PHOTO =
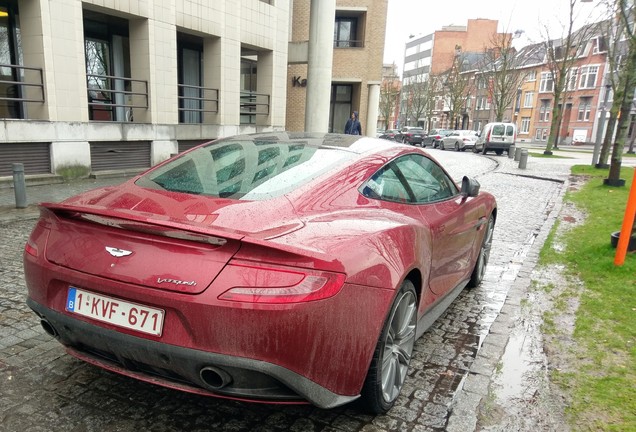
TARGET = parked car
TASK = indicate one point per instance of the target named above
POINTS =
(389, 134)
(410, 135)
(459, 140)
(497, 137)
(277, 267)
(434, 137)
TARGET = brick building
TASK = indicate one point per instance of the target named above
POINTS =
(358, 49)
(435, 54)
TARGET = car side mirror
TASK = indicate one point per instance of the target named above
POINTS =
(470, 187)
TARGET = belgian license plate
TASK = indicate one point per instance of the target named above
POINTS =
(114, 311)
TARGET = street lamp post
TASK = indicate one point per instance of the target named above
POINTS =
(600, 129)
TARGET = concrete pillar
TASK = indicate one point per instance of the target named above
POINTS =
(372, 110)
(321, 25)
(523, 159)
(60, 54)
(213, 75)
(265, 86)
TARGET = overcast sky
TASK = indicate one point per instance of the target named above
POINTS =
(422, 17)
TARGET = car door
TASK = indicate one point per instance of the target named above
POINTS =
(447, 217)
(449, 139)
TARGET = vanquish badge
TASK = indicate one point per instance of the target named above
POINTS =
(116, 252)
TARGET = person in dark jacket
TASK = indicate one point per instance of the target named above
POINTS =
(353, 126)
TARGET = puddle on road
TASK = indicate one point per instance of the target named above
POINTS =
(520, 364)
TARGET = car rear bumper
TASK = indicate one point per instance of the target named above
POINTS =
(497, 146)
(182, 368)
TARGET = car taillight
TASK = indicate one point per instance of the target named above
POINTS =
(256, 283)
(31, 248)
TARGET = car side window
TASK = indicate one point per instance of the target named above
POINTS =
(425, 179)
(385, 185)
(509, 131)
(410, 179)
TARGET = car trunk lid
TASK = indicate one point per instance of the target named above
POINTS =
(140, 253)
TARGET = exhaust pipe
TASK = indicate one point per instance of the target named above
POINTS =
(214, 377)
(48, 328)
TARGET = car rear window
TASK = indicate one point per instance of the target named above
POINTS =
(247, 170)
(498, 130)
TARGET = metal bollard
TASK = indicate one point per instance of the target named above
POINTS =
(517, 153)
(19, 185)
(511, 151)
(523, 159)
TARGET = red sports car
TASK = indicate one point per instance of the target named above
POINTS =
(280, 267)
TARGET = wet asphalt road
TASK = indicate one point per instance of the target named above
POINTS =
(43, 389)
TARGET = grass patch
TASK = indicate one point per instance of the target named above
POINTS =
(73, 172)
(603, 384)
(552, 156)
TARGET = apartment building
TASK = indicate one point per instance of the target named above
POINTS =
(358, 49)
(122, 85)
(436, 54)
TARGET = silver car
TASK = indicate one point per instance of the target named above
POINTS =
(459, 140)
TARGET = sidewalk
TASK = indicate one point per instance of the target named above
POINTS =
(48, 192)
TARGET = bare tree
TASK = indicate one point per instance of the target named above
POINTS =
(500, 66)
(422, 96)
(433, 89)
(389, 99)
(624, 93)
(612, 32)
(457, 87)
(561, 55)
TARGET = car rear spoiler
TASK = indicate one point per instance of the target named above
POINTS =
(192, 231)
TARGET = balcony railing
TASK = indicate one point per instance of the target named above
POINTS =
(114, 98)
(253, 104)
(196, 100)
(29, 88)
(348, 43)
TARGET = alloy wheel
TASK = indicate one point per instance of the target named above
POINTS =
(398, 345)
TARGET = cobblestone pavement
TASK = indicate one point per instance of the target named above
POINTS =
(43, 389)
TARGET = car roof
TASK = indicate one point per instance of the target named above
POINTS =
(353, 143)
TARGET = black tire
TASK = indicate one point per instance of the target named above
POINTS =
(477, 275)
(392, 356)
(456, 147)
(441, 145)
(499, 152)
(484, 150)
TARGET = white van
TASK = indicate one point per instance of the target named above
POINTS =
(497, 137)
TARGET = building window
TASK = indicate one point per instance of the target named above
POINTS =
(11, 73)
(248, 90)
(525, 125)
(190, 71)
(585, 107)
(547, 83)
(528, 100)
(588, 77)
(544, 110)
(108, 70)
(532, 76)
(571, 79)
(541, 135)
(345, 33)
